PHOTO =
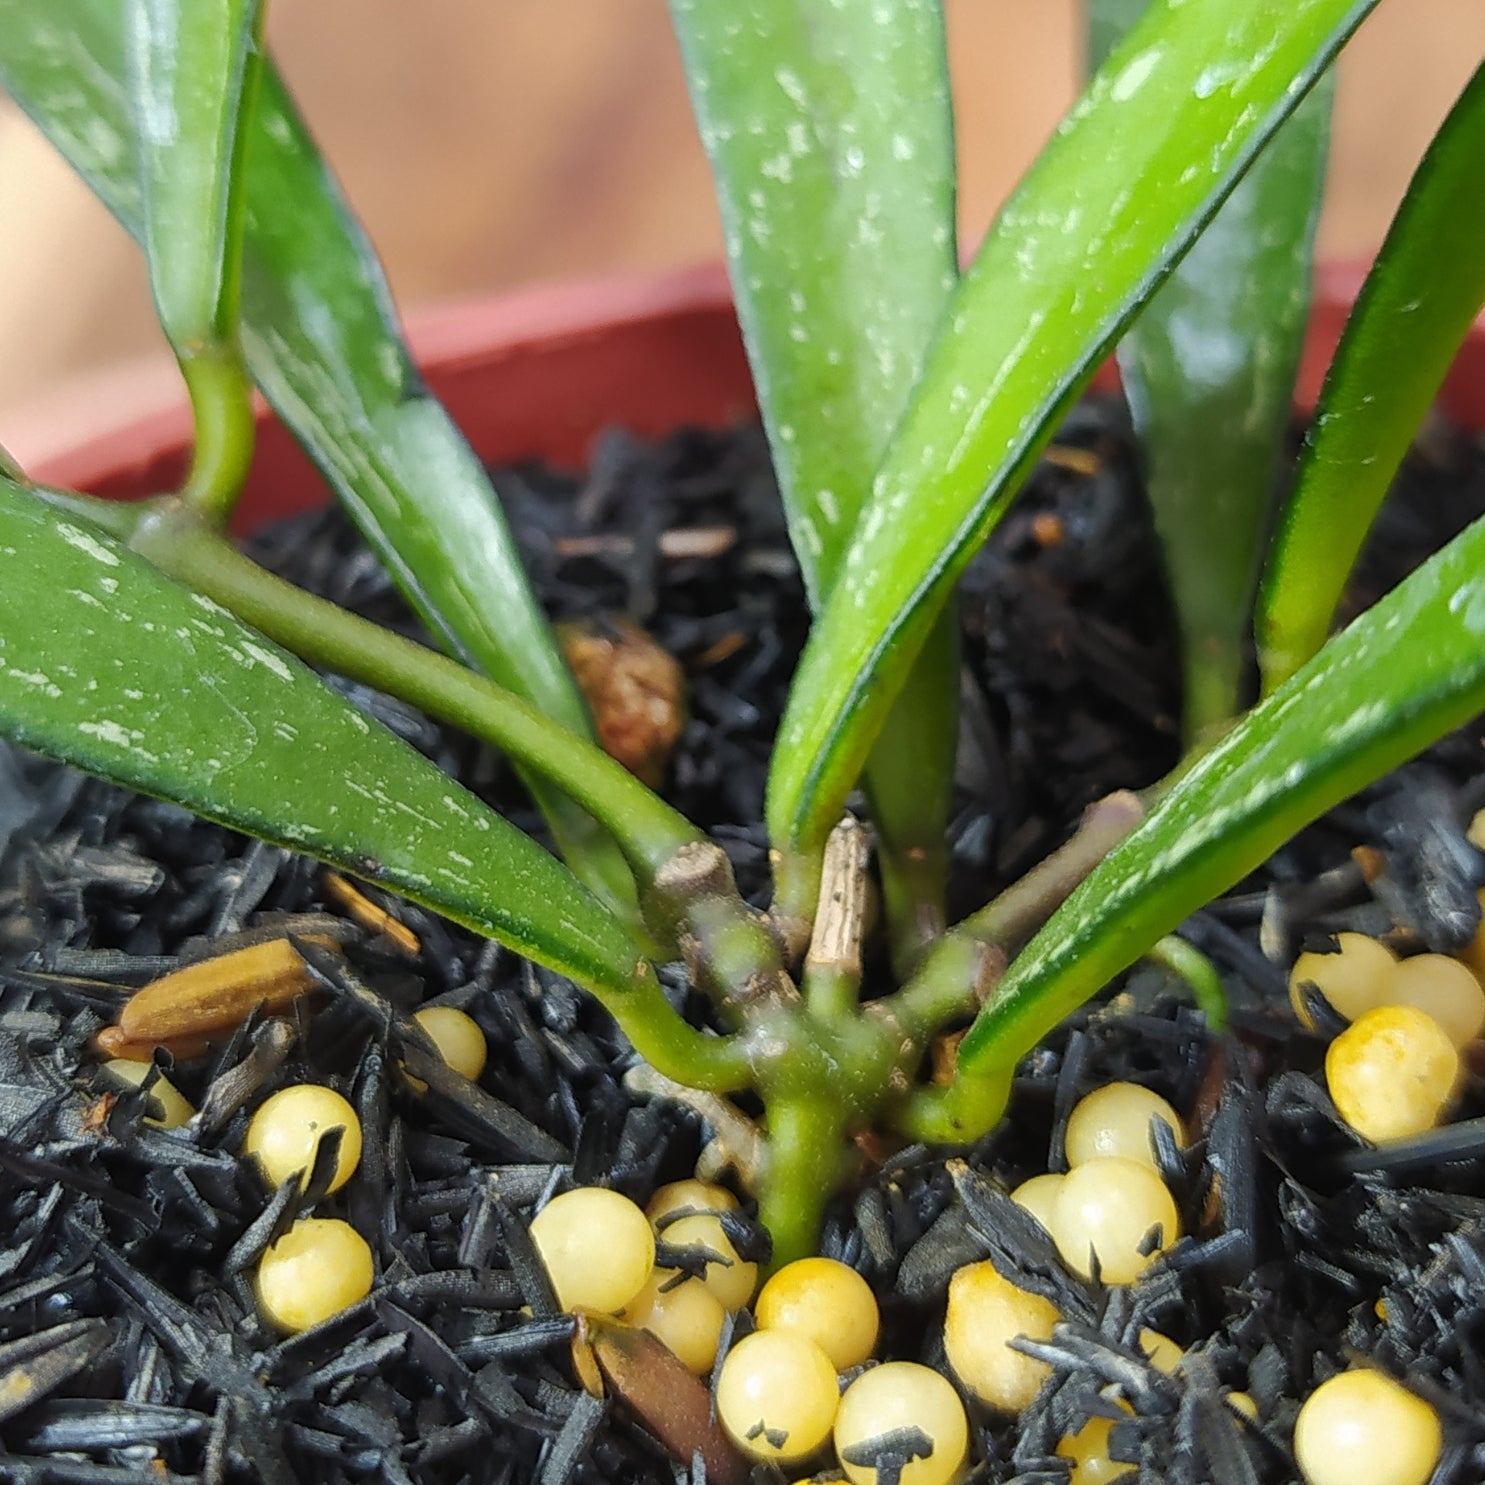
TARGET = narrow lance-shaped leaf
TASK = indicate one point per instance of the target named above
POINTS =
(1136, 169)
(98, 651)
(321, 340)
(830, 133)
(1209, 373)
(193, 75)
(1426, 287)
(1406, 672)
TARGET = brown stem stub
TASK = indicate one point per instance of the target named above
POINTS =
(844, 900)
(989, 965)
(700, 868)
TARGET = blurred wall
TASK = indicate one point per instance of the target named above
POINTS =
(491, 143)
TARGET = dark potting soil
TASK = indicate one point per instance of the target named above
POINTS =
(129, 1338)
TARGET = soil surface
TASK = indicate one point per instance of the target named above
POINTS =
(129, 1336)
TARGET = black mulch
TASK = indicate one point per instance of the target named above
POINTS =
(129, 1340)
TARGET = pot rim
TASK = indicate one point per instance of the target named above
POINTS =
(137, 415)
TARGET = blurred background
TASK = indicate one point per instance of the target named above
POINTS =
(493, 143)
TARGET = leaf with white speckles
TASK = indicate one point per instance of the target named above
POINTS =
(1422, 294)
(262, 744)
(830, 133)
(321, 340)
(1133, 172)
(1407, 671)
(1208, 370)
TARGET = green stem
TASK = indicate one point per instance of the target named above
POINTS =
(831, 992)
(805, 1164)
(960, 971)
(796, 895)
(909, 780)
(1200, 974)
(967, 1110)
(648, 830)
(222, 408)
(714, 1064)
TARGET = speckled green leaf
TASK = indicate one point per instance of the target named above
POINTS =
(1406, 672)
(1136, 169)
(1209, 373)
(192, 71)
(830, 134)
(108, 665)
(1426, 287)
(321, 340)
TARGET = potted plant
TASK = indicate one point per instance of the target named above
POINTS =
(905, 402)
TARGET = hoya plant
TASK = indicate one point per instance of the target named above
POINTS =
(905, 401)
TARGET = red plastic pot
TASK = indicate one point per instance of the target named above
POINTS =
(534, 374)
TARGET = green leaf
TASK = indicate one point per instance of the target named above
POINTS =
(830, 133)
(831, 138)
(193, 74)
(1406, 672)
(1208, 370)
(97, 651)
(1425, 289)
(321, 340)
(1135, 170)
(109, 665)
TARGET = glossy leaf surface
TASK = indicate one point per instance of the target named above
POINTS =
(1139, 165)
(1426, 287)
(321, 340)
(1208, 369)
(106, 664)
(191, 72)
(1406, 672)
(831, 139)
(830, 134)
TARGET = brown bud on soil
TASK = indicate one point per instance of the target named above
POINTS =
(635, 690)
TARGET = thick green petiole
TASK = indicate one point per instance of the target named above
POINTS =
(222, 410)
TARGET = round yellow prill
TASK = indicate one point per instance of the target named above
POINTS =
(826, 1300)
(1446, 990)
(777, 1395)
(1165, 1355)
(173, 1108)
(1362, 1428)
(318, 1268)
(1391, 1073)
(689, 1195)
(1088, 1449)
(1242, 1402)
(597, 1248)
(1107, 1206)
(728, 1277)
(1354, 979)
(1475, 831)
(687, 1318)
(1039, 1196)
(1115, 1120)
(902, 1395)
(984, 1314)
(287, 1129)
(457, 1036)
(1473, 953)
